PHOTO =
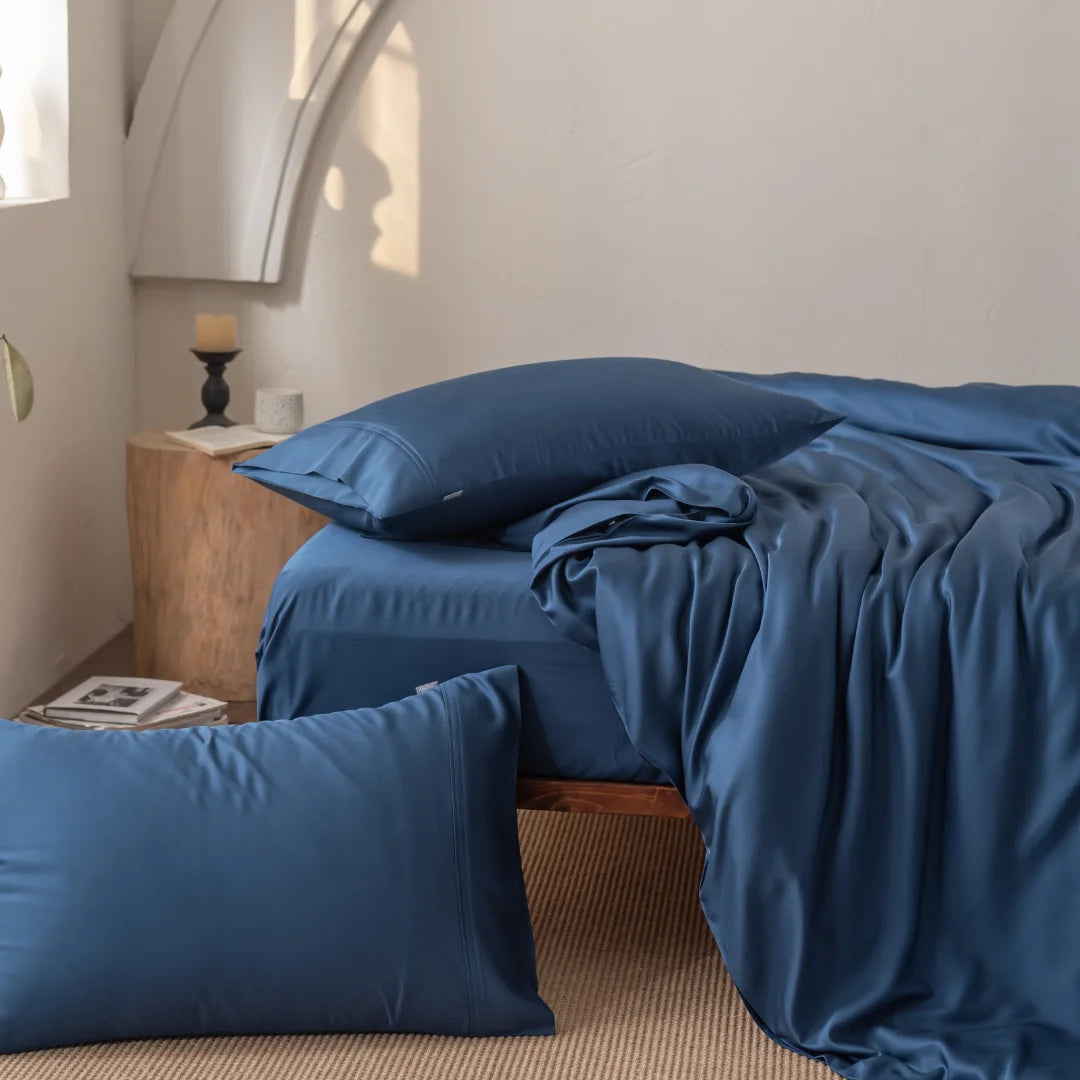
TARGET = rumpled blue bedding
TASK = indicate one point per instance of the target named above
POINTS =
(861, 666)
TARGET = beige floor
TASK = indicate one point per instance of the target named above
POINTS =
(626, 962)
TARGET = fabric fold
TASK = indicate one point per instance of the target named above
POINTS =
(859, 666)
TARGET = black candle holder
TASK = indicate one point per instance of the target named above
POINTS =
(215, 391)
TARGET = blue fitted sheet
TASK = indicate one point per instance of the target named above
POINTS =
(356, 622)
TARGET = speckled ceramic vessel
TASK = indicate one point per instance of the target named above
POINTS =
(279, 412)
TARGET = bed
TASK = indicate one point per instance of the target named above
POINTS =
(856, 664)
(355, 621)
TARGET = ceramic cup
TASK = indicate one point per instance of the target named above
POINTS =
(279, 412)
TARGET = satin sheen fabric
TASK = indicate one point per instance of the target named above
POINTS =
(477, 451)
(352, 872)
(355, 622)
(861, 666)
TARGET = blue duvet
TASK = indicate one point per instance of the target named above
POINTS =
(861, 666)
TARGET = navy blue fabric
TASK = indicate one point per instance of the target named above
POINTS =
(354, 622)
(473, 452)
(350, 872)
(861, 666)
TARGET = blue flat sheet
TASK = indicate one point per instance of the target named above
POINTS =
(861, 667)
(356, 622)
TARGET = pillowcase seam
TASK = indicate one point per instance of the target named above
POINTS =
(257, 473)
(400, 442)
(450, 712)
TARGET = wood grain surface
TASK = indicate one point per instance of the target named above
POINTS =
(206, 546)
(600, 797)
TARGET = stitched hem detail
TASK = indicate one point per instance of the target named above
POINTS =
(390, 435)
(457, 826)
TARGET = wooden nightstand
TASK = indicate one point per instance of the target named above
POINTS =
(206, 546)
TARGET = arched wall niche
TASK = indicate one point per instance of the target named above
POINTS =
(223, 128)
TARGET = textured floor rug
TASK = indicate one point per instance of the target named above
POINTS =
(626, 961)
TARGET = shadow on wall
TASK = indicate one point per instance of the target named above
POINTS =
(390, 128)
(388, 124)
(354, 252)
(356, 246)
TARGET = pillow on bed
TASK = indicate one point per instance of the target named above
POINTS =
(357, 871)
(481, 450)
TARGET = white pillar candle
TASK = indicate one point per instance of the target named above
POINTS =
(215, 333)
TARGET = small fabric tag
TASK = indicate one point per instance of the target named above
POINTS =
(427, 686)
(453, 495)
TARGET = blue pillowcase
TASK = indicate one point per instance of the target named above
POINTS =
(476, 452)
(357, 871)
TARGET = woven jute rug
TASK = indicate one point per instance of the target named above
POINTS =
(626, 962)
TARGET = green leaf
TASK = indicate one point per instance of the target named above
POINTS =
(20, 382)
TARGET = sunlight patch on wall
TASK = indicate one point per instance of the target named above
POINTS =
(390, 128)
(334, 189)
(310, 18)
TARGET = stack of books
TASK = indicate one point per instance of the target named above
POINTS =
(106, 703)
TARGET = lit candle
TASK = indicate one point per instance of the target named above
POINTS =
(215, 333)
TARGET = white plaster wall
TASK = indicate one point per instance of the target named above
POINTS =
(854, 186)
(65, 300)
(145, 20)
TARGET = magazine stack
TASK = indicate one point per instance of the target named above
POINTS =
(105, 703)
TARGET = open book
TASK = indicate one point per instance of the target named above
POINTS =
(219, 441)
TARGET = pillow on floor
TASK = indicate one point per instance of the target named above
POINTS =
(476, 452)
(356, 872)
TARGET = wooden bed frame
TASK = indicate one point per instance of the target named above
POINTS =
(533, 793)
(600, 797)
(578, 796)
